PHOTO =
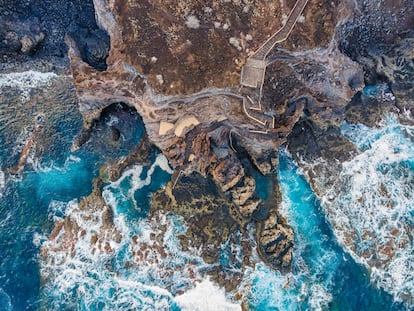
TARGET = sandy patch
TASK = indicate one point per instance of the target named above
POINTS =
(165, 127)
(183, 124)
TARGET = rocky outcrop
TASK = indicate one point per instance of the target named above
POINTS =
(276, 242)
(160, 56)
(382, 44)
(179, 66)
(36, 30)
(91, 221)
(20, 37)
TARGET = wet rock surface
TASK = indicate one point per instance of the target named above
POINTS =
(91, 213)
(210, 133)
(178, 64)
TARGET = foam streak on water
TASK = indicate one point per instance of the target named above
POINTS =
(323, 276)
(26, 79)
(371, 205)
(205, 297)
(120, 194)
(91, 279)
(2, 182)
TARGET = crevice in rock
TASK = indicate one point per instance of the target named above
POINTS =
(116, 125)
(93, 44)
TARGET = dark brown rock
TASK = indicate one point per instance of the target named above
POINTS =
(275, 239)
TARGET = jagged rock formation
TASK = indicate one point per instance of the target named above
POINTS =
(178, 64)
(155, 52)
(91, 213)
(35, 30)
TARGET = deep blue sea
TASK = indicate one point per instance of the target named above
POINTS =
(324, 277)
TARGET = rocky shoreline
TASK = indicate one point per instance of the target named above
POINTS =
(179, 66)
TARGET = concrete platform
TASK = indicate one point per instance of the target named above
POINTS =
(253, 73)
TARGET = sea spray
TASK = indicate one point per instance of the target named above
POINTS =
(323, 276)
(120, 194)
(139, 273)
(27, 80)
(309, 285)
(373, 215)
(138, 265)
(369, 202)
(206, 296)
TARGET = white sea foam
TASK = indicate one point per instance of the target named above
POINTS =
(112, 120)
(40, 167)
(24, 81)
(38, 239)
(271, 290)
(58, 209)
(142, 269)
(5, 220)
(147, 283)
(133, 176)
(2, 182)
(319, 298)
(206, 296)
(310, 283)
(371, 204)
(407, 114)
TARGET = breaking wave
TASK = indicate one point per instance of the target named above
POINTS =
(315, 260)
(24, 81)
(323, 277)
(205, 297)
(136, 264)
(371, 205)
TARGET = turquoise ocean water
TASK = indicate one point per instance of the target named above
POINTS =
(324, 276)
